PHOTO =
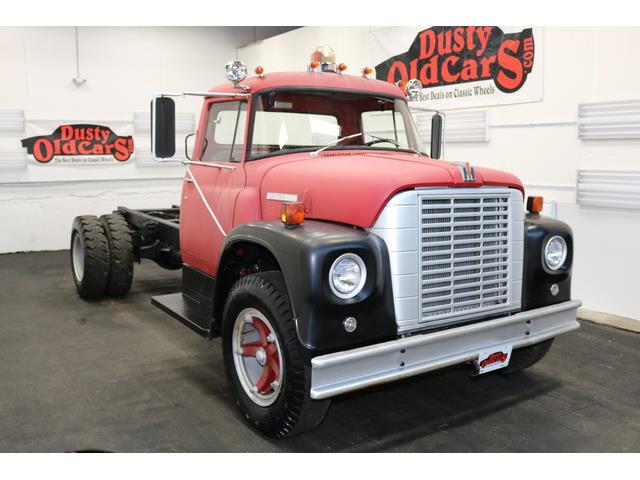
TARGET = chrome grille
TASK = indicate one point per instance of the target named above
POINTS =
(464, 254)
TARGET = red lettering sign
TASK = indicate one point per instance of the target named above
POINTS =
(441, 56)
(83, 140)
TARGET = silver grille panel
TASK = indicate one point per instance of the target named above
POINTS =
(456, 254)
(464, 254)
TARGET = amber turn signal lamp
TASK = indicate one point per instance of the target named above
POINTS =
(367, 71)
(401, 83)
(292, 213)
(342, 67)
(259, 70)
(534, 204)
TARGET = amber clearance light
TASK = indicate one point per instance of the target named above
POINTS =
(534, 204)
(292, 213)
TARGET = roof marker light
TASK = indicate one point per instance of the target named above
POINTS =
(342, 67)
(259, 71)
(323, 59)
(366, 71)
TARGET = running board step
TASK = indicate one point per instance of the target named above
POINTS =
(195, 315)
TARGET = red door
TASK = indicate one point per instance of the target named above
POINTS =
(212, 184)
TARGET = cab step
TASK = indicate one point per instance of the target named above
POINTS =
(186, 310)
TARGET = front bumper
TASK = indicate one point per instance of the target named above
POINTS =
(341, 372)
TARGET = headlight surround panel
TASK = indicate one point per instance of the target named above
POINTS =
(538, 278)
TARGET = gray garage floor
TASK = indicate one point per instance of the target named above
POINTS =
(123, 376)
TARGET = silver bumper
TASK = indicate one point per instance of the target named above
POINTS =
(342, 372)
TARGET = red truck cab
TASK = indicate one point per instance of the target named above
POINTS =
(329, 252)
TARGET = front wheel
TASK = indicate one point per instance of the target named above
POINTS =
(270, 374)
(526, 357)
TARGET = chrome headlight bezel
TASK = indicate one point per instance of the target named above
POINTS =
(361, 283)
(554, 267)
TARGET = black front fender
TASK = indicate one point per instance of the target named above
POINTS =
(305, 255)
(537, 278)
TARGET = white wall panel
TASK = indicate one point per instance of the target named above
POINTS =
(609, 120)
(460, 127)
(11, 121)
(609, 188)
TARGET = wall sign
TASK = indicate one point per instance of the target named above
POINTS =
(79, 144)
(471, 66)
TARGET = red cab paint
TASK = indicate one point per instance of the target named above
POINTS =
(347, 186)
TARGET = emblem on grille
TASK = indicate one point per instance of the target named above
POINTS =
(468, 172)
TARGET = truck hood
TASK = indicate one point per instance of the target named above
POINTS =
(352, 187)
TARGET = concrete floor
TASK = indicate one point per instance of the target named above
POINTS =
(123, 376)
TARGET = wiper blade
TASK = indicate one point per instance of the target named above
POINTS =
(335, 142)
(393, 142)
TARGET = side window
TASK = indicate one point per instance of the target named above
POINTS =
(385, 124)
(224, 136)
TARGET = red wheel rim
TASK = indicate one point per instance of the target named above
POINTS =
(257, 357)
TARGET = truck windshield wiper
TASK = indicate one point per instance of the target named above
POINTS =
(391, 141)
(335, 142)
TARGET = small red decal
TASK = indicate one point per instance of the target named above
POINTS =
(496, 357)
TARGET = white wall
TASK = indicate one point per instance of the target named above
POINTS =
(580, 65)
(123, 68)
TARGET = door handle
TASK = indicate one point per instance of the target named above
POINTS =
(188, 180)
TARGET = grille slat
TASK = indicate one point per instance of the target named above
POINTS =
(465, 253)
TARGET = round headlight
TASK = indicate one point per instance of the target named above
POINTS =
(555, 252)
(236, 71)
(347, 276)
(414, 88)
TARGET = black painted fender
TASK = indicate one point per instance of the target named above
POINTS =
(305, 254)
(537, 278)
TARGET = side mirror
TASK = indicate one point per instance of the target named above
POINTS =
(163, 127)
(189, 142)
(437, 135)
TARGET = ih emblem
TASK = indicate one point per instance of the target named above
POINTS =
(468, 172)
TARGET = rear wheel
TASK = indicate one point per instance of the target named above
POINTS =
(89, 257)
(526, 357)
(120, 242)
(269, 373)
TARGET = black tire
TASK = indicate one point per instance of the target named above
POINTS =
(526, 357)
(293, 411)
(119, 237)
(89, 242)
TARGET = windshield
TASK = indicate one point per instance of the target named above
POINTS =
(288, 121)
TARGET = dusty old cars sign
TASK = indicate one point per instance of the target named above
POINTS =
(471, 66)
(80, 144)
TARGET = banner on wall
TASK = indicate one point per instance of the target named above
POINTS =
(79, 144)
(462, 67)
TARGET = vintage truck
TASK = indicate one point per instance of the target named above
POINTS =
(328, 251)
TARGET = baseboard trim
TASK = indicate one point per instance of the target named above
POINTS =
(615, 321)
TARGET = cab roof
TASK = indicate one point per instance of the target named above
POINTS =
(327, 80)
